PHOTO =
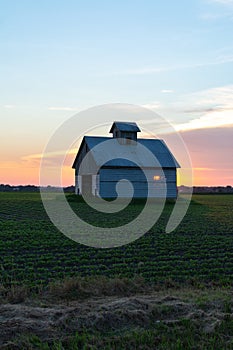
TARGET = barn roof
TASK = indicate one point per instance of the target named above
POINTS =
(158, 148)
(125, 126)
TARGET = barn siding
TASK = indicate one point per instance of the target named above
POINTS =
(116, 174)
(90, 165)
(110, 177)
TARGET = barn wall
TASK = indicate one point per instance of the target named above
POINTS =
(109, 177)
(90, 168)
(90, 165)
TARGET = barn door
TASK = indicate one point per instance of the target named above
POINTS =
(87, 185)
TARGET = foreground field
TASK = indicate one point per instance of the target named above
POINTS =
(34, 252)
(163, 291)
(160, 319)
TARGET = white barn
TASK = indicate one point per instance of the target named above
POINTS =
(145, 176)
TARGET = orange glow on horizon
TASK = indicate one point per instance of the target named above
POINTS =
(21, 175)
(209, 150)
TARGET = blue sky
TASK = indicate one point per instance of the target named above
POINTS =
(60, 57)
(82, 53)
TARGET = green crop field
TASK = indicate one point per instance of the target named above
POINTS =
(163, 291)
(34, 252)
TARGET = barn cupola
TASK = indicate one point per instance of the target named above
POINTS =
(125, 132)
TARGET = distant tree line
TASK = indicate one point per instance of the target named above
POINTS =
(71, 189)
(32, 188)
(206, 189)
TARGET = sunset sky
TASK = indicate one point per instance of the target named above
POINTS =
(60, 57)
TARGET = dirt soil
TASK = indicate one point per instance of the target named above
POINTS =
(53, 321)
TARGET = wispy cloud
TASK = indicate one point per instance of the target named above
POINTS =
(208, 108)
(144, 70)
(205, 169)
(155, 70)
(222, 9)
(204, 110)
(167, 91)
(54, 108)
(227, 14)
(214, 107)
(51, 159)
(153, 105)
(9, 106)
(209, 120)
(223, 2)
(221, 96)
(211, 16)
